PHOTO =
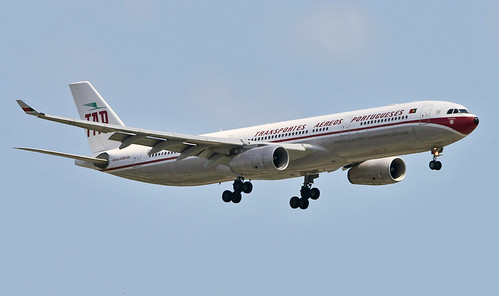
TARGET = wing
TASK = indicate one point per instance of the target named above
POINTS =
(215, 149)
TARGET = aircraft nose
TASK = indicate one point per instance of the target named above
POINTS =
(464, 125)
(467, 124)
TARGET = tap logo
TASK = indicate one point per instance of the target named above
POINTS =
(98, 116)
(93, 105)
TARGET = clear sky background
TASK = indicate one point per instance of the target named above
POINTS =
(197, 67)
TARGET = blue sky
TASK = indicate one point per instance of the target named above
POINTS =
(196, 67)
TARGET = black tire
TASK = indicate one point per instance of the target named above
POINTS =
(305, 192)
(433, 165)
(304, 203)
(227, 196)
(247, 187)
(294, 202)
(238, 186)
(236, 198)
(315, 193)
(438, 166)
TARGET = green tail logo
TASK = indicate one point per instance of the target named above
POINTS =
(93, 105)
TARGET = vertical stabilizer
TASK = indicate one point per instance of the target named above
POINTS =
(91, 106)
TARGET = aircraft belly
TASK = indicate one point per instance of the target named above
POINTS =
(383, 142)
(186, 172)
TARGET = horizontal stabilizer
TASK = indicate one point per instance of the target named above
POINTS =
(67, 155)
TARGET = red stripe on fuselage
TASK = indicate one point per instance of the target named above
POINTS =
(140, 163)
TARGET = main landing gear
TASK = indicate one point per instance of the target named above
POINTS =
(306, 192)
(434, 164)
(239, 187)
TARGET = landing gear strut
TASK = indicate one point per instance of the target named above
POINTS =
(306, 193)
(239, 186)
(434, 164)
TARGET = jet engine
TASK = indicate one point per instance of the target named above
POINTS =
(378, 172)
(94, 165)
(264, 159)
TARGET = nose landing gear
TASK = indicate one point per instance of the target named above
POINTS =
(434, 164)
(306, 193)
(239, 186)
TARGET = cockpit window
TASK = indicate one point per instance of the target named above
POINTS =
(455, 111)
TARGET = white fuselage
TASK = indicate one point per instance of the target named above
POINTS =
(346, 138)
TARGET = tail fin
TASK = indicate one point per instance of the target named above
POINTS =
(91, 106)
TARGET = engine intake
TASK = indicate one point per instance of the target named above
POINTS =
(94, 165)
(381, 171)
(266, 159)
(103, 165)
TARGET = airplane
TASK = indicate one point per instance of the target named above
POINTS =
(367, 143)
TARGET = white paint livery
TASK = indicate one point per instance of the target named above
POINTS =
(365, 142)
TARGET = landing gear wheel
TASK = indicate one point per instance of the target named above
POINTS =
(294, 202)
(238, 186)
(236, 198)
(305, 192)
(435, 165)
(314, 193)
(227, 196)
(304, 203)
(247, 187)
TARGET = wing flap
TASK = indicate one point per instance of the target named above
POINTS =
(157, 144)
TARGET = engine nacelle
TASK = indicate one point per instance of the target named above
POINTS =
(92, 165)
(378, 172)
(264, 159)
